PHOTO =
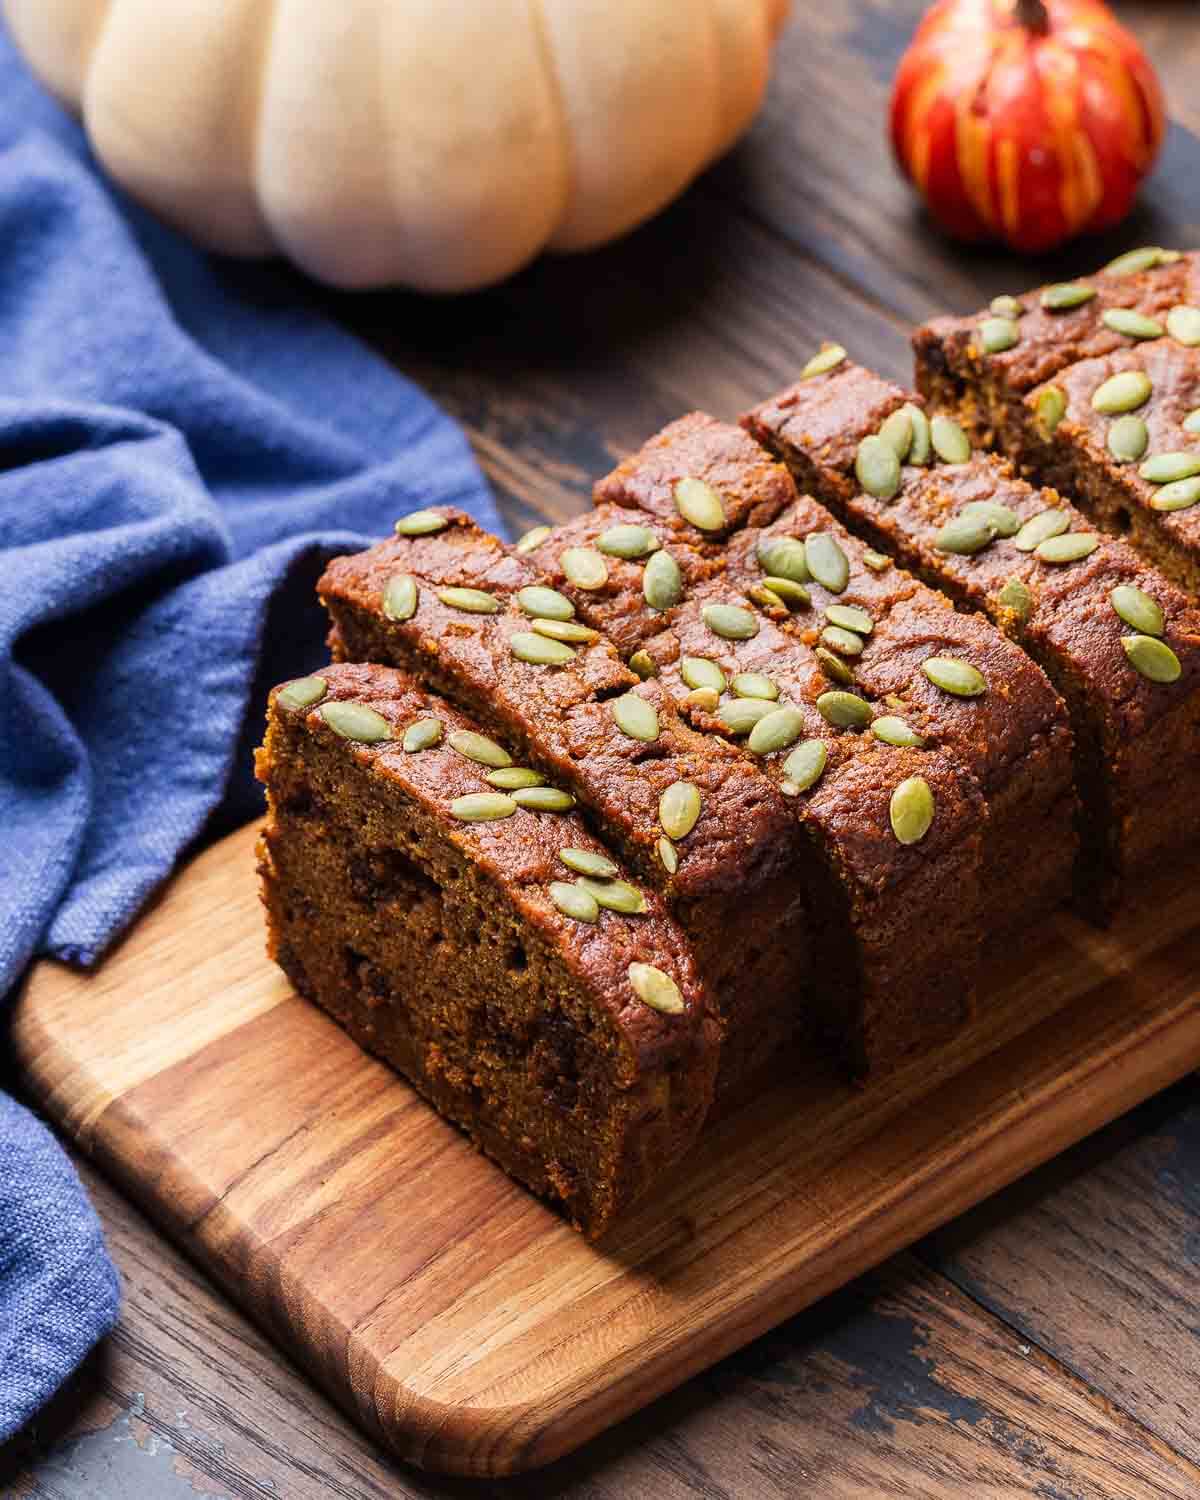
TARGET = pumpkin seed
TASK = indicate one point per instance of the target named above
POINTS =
(791, 595)
(540, 650)
(1067, 294)
(588, 862)
(850, 617)
(355, 721)
(656, 989)
(532, 539)
(635, 717)
(614, 895)
(844, 642)
(955, 676)
(473, 601)
(565, 630)
(703, 698)
(754, 685)
(783, 557)
(1132, 324)
(777, 731)
(1152, 658)
(1121, 393)
(543, 799)
(482, 807)
(662, 582)
(893, 730)
(629, 542)
(897, 433)
(584, 567)
(922, 443)
(964, 536)
(1128, 438)
(766, 598)
(479, 748)
(998, 334)
(805, 765)
(844, 710)
(950, 442)
(302, 693)
(421, 523)
(828, 564)
(1005, 307)
(1166, 468)
(1004, 522)
(513, 778)
(1039, 528)
(423, 734)
(911, 810)
(1183, 324)
(876, 561)
(400, 597)
(1191, 423)
(678, 809)
(644, 665)
(699, 504)
(1069, 547)
(1181, 495)
(700, 672)
(1138, 609)
(833, 666)
(730, 621)
(545, 604)
(573, 901)
(823, 361)
(740, 715)
(1051, 406)
(1015, 596)
(1134, 261)
(668, 855)
(877, 469)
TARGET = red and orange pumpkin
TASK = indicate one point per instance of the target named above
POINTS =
(1028, 121)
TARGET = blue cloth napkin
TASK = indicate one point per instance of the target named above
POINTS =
(183, 443)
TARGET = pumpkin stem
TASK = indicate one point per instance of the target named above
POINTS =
(1033, 15)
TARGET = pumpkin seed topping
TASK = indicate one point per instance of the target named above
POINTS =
(513, 778)
(539, 650)
(1005, 307)
(730, 621)
(1138, 609)
(844, 642)
(953, 675)
(950, 442)
(421, 523)
(1135, 261)
(922, 441)
(1132, 324)
(998, 334)
(573, 901)
(790, 595)
(893, 730)
(584, 567)
(1039, 528)
(828, 564)
(833, 666)
(823, 361)
(766, 598)
(1004, 522)
(1051, 406)
(635, 717)
(479, 748)
(700, 672)
(565, 630)
(1069, 547)
(699, 504)
(543, 799)
(355, 721)
(1166, 468)
(703, 698)
(1191, 423)
(754, 685)
(850, 617)
(897, 433)
(1128, 438)
(400, 597)
(615, 895)
(668, 855)
(472, 601)
(877, 469)
(656, 989)
(1153, 659)
(302, 693)
(805, 766)
(545, 604)
(629, 542)
(964, 536)
(588, 862)
(662, 582)
(876, 561)
(1067, 294)
(678, 809)
(1183, 324)
(776, 731)
(783, 557)
(911, 810)
(482, 807)
(740, 715)
(644, 665)
(422, 734)
(532, 539)
(1015, 596)
(1181, 495)
(844, 710)
(1121, 393)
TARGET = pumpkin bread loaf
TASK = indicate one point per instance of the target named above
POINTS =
(467, 926)
(1120, 642)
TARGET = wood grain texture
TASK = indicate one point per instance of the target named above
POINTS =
(480, 1334)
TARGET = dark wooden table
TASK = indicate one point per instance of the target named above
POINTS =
(1047, 1344)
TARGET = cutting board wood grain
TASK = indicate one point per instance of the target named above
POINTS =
(452, 1314)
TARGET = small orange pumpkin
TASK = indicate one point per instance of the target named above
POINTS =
(1028, 121)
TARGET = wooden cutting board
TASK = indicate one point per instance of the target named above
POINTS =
(449, 1312)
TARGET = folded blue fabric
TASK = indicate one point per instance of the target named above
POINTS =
(183, 443)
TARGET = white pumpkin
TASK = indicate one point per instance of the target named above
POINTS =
(435, 143)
